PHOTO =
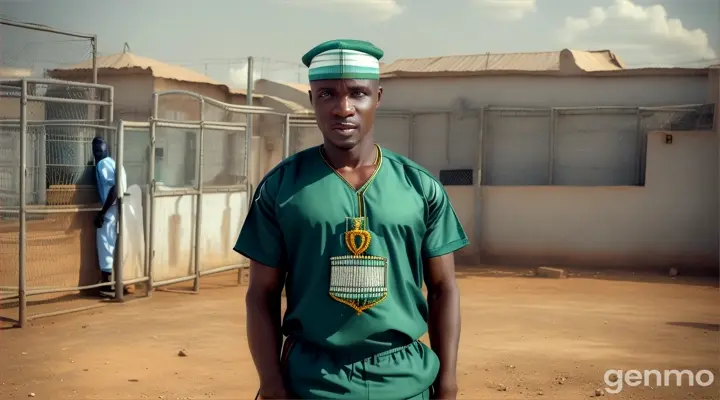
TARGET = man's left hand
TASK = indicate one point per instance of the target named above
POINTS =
(445, 391)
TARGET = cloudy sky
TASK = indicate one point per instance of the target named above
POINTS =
(216, 36)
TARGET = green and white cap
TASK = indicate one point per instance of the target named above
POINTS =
(343, 59)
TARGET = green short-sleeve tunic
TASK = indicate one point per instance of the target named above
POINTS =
(354, 262)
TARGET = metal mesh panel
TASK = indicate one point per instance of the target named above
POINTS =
(61, 190)
(219, 163)
(393, 133)
(9, 203)
(463, 143)
(9, 159)
(9, 266)
(60, 250)
(430, 140)
(517, 147)
(596, 148)
(58, 147)
(193, 232)
(176, 156)
(305, 137)
(677, 119)
(179, 107)
(136, 158)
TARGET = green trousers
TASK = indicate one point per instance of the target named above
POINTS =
(402, 373)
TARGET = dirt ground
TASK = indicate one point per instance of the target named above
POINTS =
(522, 338)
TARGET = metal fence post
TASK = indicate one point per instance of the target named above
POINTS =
(411, 133)
(150, 214)
(248, 141)
(198, 205)
(640, 180)
(551, 145)
(120, 190)
(286, 137)
(478, 187)
(448, 139)
(22, 239)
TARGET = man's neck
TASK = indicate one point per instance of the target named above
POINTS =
(363, 154)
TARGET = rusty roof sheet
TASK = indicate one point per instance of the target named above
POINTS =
(158, 69)
(554, 61)
(127, 60)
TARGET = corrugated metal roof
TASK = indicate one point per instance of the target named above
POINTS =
(554, 61)
(127, 60)
(158, 69)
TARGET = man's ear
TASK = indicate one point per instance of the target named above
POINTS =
(379, 96)
(310, 96)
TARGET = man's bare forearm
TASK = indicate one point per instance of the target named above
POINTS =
(263, 319)
(444, 329)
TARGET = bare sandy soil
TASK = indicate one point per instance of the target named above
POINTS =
(522, 338)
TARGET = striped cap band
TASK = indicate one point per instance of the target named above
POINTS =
(344, 64)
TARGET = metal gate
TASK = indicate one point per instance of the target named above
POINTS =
(189, 184)
(47, 194)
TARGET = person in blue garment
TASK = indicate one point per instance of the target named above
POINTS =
(106, 221)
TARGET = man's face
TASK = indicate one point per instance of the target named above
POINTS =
(345, 109)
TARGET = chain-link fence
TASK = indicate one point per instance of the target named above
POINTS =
(190, 181)
(509, 146)
(48, 193)
(31, 50)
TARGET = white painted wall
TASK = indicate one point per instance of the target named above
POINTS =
(544, 91)
(597, 149)
(671, 221)
(174, 217)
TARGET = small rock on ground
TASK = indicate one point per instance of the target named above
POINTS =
(548, 272)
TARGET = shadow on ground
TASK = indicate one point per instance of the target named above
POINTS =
(697, 325)
(627, 275)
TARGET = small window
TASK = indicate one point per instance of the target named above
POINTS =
(456, 177)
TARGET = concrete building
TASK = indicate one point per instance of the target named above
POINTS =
(574, 167)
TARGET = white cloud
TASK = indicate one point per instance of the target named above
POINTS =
(379, 10)
(512, 10)
(640, 34)
(238, 76)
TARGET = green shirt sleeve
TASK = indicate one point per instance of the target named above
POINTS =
(444, 232)
(261, 238)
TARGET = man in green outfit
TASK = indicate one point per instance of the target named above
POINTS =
(352, 231)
